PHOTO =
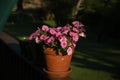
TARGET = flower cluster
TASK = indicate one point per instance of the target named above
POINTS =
(62, 39)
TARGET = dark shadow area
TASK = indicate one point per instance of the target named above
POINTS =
(103, 22)
(33, 52)
(12, 66)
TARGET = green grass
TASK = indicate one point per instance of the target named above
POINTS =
(89, 74)
(91, 60)
(94, 61)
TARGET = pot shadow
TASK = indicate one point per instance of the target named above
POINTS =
(98, 58)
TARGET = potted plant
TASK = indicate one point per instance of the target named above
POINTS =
(58, 44)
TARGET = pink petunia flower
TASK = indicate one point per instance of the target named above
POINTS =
(52, 31)
(75, 29)
(69, 51)
(62, 39)
(58, 34)
(59, 28)
(32, 36)
(82, 34)
(65, 32)
(72, 44)
(75, 37)
(63, 44)
(37, 32)
(37, 40)
(71, 33)
(45, 28)
(67, 27)
(43, 37)
(50, 40)
(75, 23)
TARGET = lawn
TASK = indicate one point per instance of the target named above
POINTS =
(95, 61)
(91, 60)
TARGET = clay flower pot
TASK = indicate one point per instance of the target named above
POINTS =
(57, 65)
(56, 74)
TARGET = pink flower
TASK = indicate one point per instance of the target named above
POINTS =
(67, 27)
(63, 44)
(63, 39)
(52, 31)
(32, 36)
(37, 40)
(75, 29)
(75, 23)
(75, 37)
(72, 44)
(45, 28)
(37, 32)
(59, 28)
(43, 37)
(71, 33)
(82, 34)
(58, 34)
(66, 32)
(50, 40)
(69, 51)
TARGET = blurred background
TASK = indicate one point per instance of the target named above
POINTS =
(100, 17)
(97, 57)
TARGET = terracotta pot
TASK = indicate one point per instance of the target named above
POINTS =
(57, 64)
(57, 75)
